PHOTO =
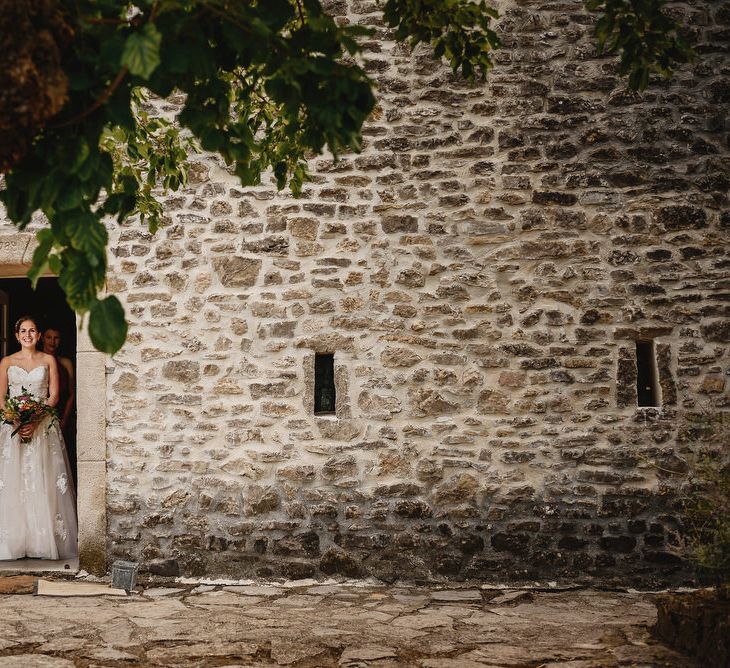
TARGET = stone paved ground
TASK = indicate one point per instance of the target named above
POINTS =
(312, 624)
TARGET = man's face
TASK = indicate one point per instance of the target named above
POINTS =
(51, 341)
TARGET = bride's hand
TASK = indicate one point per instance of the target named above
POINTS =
(26, 431)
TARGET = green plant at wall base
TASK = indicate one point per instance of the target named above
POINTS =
(266, 85)
(707, 496)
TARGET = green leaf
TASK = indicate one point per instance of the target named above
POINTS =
(54, 263)
(90, 236)
(278, 13)
(141, 52)
(82, 153)
(119, 110)
(39, 264)
(70, 197)
(647, 40)
(88, 168)
(107, 325)
(79, 279)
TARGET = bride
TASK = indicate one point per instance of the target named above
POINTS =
(37, 506)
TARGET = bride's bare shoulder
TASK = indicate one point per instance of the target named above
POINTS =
(5, 363)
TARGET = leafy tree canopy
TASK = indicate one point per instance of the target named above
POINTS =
(266, 84)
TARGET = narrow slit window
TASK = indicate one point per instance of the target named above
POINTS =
(647, 389)
(324, 383)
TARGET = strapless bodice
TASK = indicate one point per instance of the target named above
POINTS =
(34, 381)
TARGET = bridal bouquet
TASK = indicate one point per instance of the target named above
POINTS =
(25, 409)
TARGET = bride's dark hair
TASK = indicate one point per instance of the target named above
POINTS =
(23, 318)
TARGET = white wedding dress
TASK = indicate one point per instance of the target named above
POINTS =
(37, 504)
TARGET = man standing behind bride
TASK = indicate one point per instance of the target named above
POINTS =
(37, 505)
(51, 344)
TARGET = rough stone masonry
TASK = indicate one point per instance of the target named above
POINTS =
(482, 273)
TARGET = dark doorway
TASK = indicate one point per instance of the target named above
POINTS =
(48, 304)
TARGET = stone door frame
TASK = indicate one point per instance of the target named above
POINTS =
(16, 252)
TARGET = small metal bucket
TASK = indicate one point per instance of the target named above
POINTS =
(124, 575)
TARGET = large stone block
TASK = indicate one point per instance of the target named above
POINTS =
(460, 488)
(304, 228)
(184, 371)
(680, 217)
(430, 402)
(399, 357)
(717, 330)
(401, 223)
(492, 401)
(370, 402)
(236, 271)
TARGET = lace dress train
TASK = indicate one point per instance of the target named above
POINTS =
(37, 504)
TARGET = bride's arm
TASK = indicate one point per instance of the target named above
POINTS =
(52, 399)
(4, 383)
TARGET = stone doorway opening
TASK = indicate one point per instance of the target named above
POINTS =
(15, 255)
(47, 304)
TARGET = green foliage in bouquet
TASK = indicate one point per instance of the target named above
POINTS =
(25, 409)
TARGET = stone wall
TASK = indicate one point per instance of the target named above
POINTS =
(481, 272)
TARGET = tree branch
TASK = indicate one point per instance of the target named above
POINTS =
(108, 21)
(102, 100)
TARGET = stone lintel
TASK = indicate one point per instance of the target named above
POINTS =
(16, 253)
(641, 333)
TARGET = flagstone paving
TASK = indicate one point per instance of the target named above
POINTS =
(347, 625)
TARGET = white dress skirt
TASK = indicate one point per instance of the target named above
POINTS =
(37, 502)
